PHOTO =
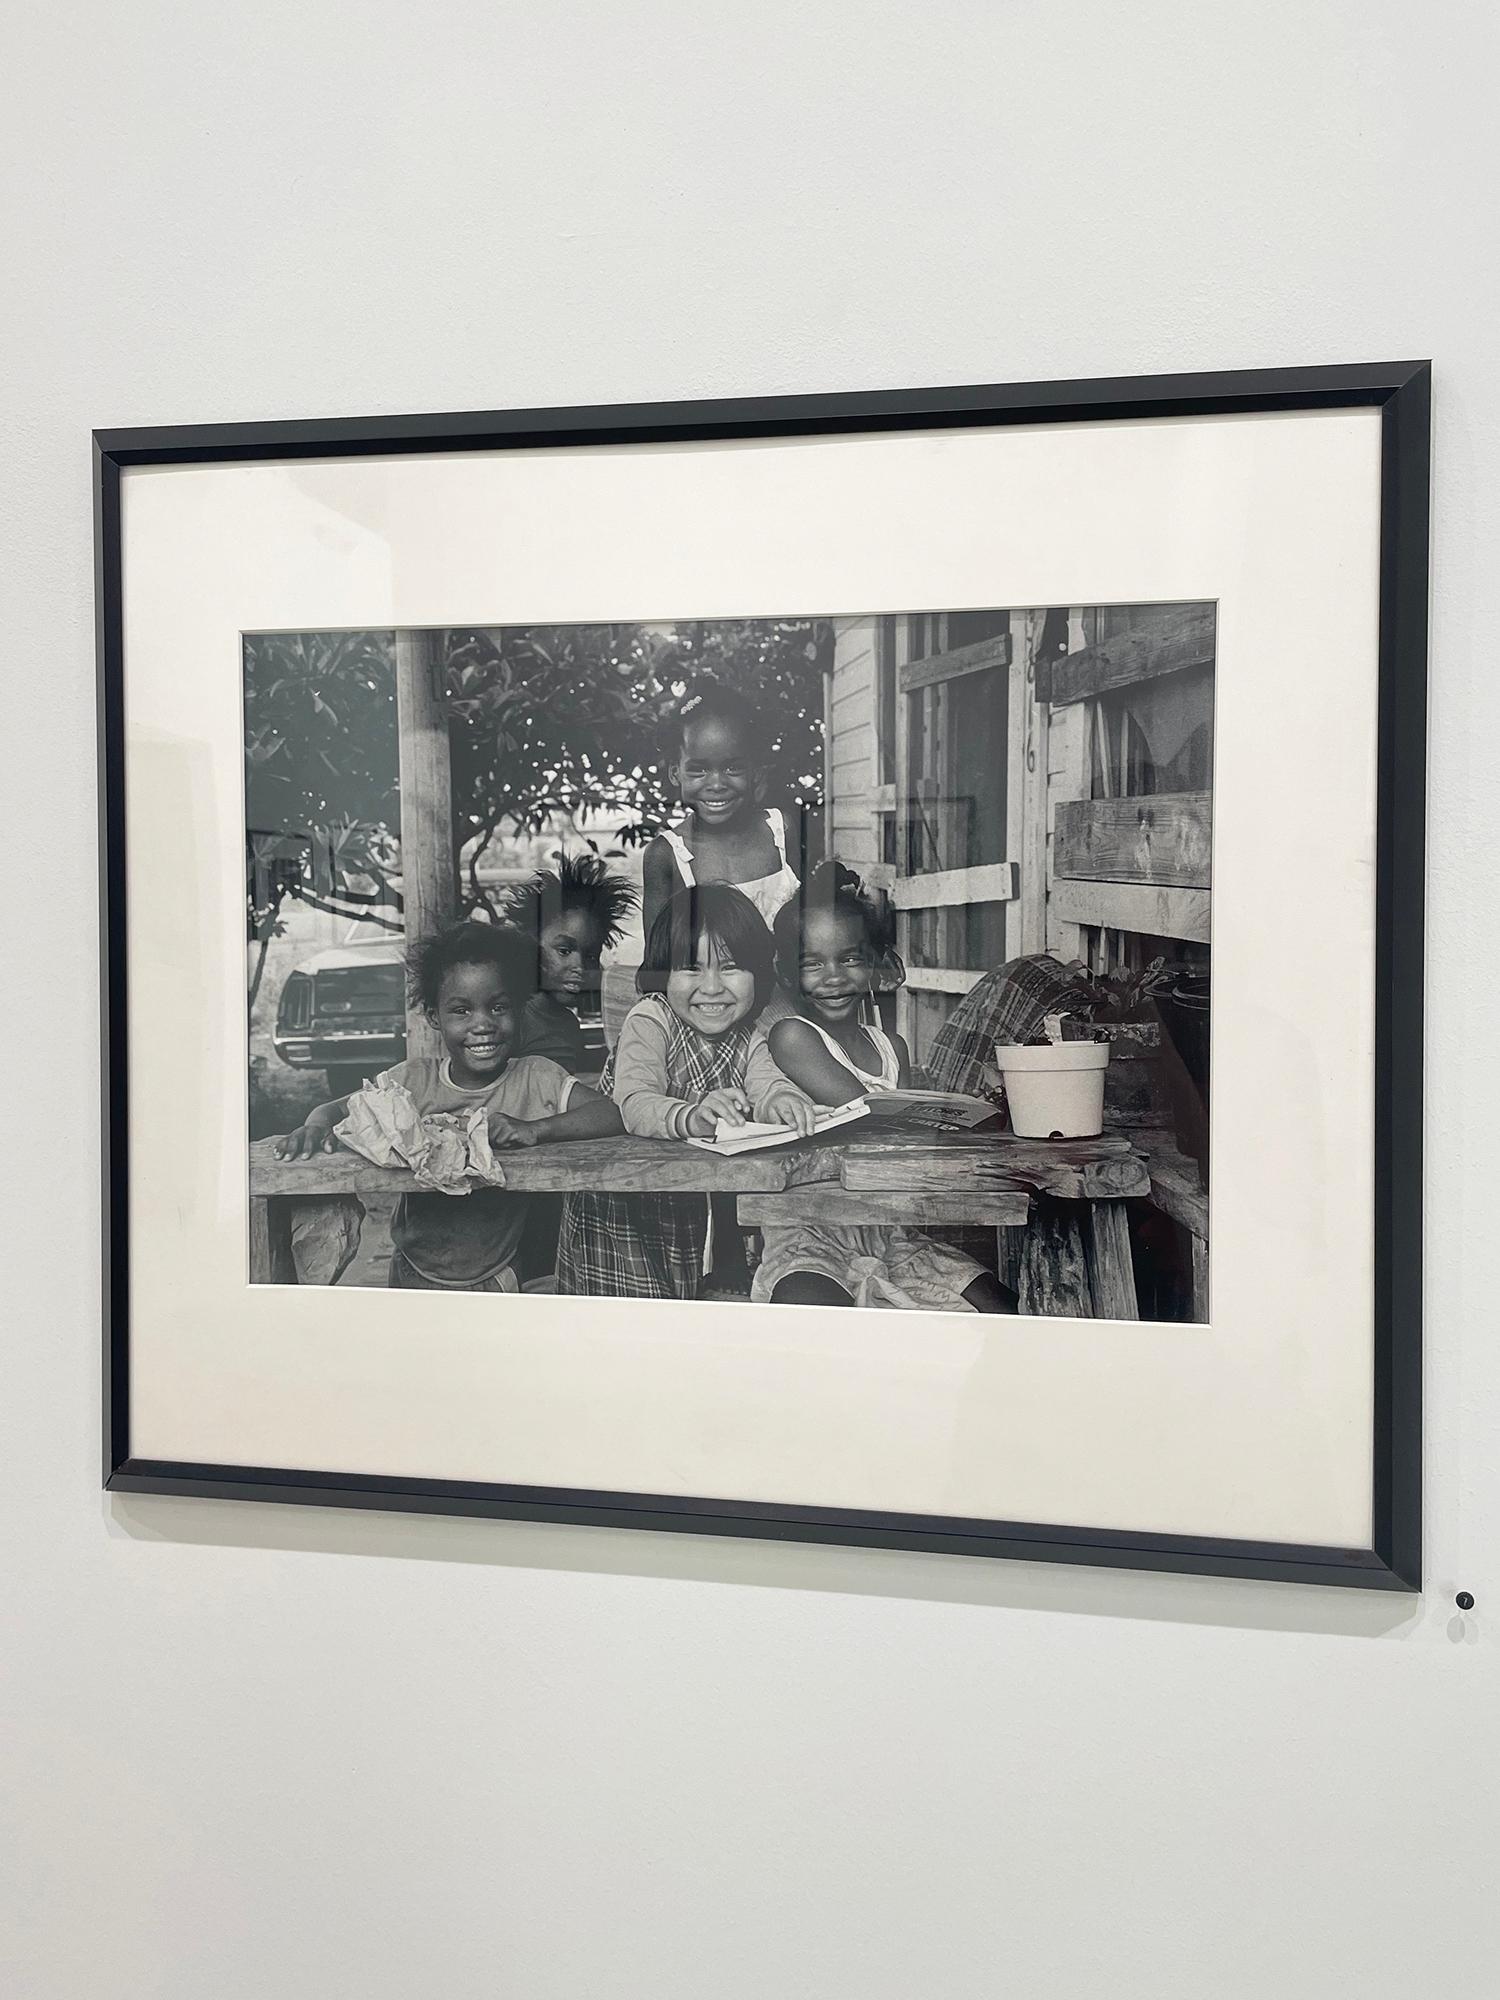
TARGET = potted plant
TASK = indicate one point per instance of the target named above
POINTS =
(1057, 1084)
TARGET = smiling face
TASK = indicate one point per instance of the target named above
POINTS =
(568, 955)
(716, 995)
(836, 966)
(715, 773)
(476, 1017)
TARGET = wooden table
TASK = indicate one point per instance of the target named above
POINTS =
(1057, 1204)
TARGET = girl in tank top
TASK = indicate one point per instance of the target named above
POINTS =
(725, 834)
(828, 948)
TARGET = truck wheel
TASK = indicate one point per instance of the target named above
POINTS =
(344, 1079)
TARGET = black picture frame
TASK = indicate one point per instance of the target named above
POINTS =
(1401, 391)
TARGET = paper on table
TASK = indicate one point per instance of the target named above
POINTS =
(447, 1152)
(729, 1140)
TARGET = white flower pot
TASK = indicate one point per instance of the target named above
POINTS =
(1056, 1090)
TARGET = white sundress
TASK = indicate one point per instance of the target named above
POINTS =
(767, 892)
(878, 1264)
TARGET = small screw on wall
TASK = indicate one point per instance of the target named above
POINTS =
(1464, 1600)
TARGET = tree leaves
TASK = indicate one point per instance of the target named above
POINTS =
(543, 719)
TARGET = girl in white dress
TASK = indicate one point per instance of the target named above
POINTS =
(716, 764)
(827, 953)
(725, 833)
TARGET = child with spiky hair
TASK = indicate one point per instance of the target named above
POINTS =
(571, 913)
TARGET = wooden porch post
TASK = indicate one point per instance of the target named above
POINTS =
(429, 871)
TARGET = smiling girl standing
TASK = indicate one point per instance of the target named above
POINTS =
(689, 1054)
(725, 833)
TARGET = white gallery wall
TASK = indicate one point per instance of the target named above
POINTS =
(255, 1752)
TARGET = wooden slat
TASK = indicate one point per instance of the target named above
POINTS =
(956, 888)
(271, 1260)
(1176, 1182)
(941, 979)
(901, 652)
(1135, 906)
(986, 1209)
(1029, 723)
(1106, 1169)
(1200, 1280)
(1184, 638)
(1054, 1266)
(962, 660)
(429, 866)
(1111, 1273)
(1166, 840)
(624, 1165)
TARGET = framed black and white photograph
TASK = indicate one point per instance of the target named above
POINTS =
(845, 968)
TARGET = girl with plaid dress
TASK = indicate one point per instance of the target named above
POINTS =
(689, 1055)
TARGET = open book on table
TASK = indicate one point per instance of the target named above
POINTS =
(930, 1110)
(729, 1139)
(906, 1110)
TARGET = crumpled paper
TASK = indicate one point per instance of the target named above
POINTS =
(447, 1152)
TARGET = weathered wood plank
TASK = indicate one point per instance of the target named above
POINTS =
(1067, 757)
(840, 1207)
(1176, 1182)
(1054, 1268)
(1111, 1273)
(624, 1165)
(958, 1168)
(1072, 1169)
(956, 888)
(1184, 638)
(1166, 840)
(941, 979)
(975, 659)
(429, 864)
(1135, 906)
(1200, 1280)
(1030, 723)
(1010, 1252)
(270, 1242)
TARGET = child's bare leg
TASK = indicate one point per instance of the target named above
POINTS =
(988, 1295)
(809, 1288)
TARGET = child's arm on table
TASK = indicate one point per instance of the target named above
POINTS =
(776, 1098)
(588, 1116)
(315, 1133)
(648, 1108)
(801, 1054)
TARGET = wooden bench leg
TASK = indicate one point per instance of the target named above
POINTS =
(1054, 1269)
(1200, 1280)
(1111, 1273)
(271, 1260)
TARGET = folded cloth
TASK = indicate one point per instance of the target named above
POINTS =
(447, 1152)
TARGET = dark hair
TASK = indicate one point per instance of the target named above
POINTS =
(580, 884)
(710, 701)
(833, 888)
(512, 955)
(716, 910)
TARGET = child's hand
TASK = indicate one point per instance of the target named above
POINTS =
(315, 1136)
(728, 1103)
(790, 1107)
(506, 1131)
